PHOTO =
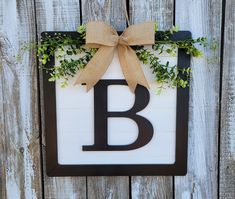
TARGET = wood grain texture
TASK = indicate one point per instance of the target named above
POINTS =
(3, 177)
(202, 18)
(152, 187)
(19, 139)
(57, 15)
(161, 11)
(227, 141)
(60, 15)
(108, 187)
(112, 12)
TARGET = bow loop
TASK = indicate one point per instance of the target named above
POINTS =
(140, 34)
(99, 33)
(102, 36)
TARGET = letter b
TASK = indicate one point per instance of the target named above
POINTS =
(101, 115)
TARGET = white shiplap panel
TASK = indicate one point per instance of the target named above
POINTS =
(75, 121)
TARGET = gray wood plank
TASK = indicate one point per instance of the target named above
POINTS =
(110, 11)
(60, 15)
(108, 187)
(227, 141)
(3, 157)
(20, 175)
(161, 11)
(202, 18)
(151, 187)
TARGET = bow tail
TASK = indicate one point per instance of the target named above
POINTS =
(96, 67)
(131, 67)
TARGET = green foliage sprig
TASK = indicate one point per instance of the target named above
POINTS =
(164, 73)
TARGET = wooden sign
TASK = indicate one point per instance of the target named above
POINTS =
(112, 131)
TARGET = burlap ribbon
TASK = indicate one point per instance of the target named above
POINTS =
(102, 36)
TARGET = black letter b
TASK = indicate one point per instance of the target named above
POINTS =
(101, 115)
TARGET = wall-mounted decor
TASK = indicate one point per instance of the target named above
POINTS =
(211, 105)
(110, 130)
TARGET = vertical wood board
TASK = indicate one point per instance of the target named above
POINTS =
(110, 11)
(20, 172)
(227, 137)
(202, 18)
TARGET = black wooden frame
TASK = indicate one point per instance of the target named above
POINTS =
(53, 168)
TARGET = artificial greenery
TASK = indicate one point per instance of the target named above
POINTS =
(164, 73)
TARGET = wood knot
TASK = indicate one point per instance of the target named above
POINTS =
(21, 149)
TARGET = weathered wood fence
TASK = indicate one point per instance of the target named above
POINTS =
(211, 163)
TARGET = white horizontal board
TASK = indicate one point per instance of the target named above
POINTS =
(75, 122)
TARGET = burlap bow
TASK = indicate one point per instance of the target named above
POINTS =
(102, 36)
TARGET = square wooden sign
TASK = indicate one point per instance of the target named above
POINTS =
(112, 131)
